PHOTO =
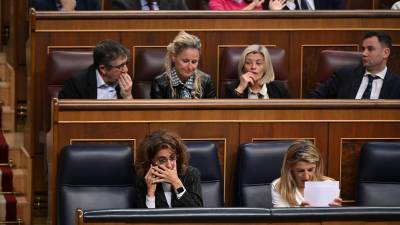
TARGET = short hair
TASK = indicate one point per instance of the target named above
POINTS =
(181, 42)
(158, 140)
(269, 74)
(383, 37)
(107, 51)
(299, 151)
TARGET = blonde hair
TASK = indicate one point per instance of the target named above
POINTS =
(181, 42)
(299, 151)
(269, 74)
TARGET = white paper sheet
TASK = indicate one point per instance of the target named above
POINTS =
(321, 193)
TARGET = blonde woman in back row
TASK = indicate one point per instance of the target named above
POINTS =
(182, 79)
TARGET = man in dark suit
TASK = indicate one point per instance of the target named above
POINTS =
(307, 4)
(106, 78)
(65, 5)
(371, 80)
(149, 5)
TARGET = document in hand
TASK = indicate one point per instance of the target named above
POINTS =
(321, 193)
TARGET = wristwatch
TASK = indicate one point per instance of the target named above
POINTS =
(180, 190)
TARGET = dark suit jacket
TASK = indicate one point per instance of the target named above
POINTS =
(50, 5)
(83, 86)
(345, 83)
(162, 4)
(325, 4)
(275, 89)
(160, 88)
(191, 198)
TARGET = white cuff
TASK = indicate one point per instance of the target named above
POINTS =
(151, 202)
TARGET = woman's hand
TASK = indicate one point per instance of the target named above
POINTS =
(305, 204)
(253, 5)
(337, 202)
(168, 175)
(245, 80)
(276, 4)
(151, 183)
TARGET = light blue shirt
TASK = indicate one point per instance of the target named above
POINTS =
(292, 5)
(105, 91)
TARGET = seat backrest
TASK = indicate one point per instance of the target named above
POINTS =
(61, 66)
(332, 60)
(259, 163)
(379, 176)
(230, 57)
(94, 176)
(149, 63)
(204, 156)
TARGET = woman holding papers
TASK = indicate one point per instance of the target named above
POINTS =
(302, 162)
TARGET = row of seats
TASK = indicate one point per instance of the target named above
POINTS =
(100, 176)
(149, 63)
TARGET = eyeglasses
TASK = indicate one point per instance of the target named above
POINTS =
(162, 160)
(120, 66)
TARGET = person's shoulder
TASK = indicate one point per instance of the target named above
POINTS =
(160, 78)
(327, 179)
(275, 182)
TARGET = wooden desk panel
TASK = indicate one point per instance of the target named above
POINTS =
(336, 126)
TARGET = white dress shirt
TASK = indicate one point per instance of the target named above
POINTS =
(167, 187)
(292, 6)
(105, 91)
(376, 84)
(263, 91)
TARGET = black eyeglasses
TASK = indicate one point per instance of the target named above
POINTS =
(119, 66)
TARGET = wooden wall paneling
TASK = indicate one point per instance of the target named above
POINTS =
(345, 142)
(393, 62)
(229, 132)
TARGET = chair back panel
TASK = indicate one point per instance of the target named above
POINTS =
(203, 156)
(259, 163)
(379, 177)
(333, 60)
(230, 57)
(149, 63)
(94, 176)
(61, 66)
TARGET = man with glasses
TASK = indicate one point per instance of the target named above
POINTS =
(106, 78)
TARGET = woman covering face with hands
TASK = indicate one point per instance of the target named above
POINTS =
(256, 77)
(165, 178)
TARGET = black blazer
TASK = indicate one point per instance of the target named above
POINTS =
(324, 4)
(160, 88)
(191, 198)
(50, 5)
(344, 84)
(83, 86)
(162, 4)
(275, 89)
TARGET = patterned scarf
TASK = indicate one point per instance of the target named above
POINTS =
(183, 90)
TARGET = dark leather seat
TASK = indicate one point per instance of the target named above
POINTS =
(203, 156)
(379, 176)
(230, 57)
(149, 63)
(61, 66)
(332, 60)
(94, 176)
(259, 163)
